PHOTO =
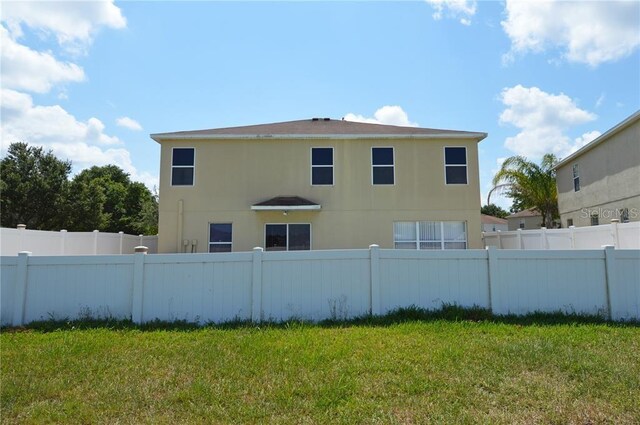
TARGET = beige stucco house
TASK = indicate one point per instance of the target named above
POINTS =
(318, 184)
(601, 181)
(526, 220)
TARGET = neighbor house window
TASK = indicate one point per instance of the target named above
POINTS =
(382, 166)
(322, 166)
(287, 237)
(220, 237)
(576, 178)
(522, 223)
(455, 165)
(182, 166)
(569, 222)
(624, 215)
(595, 219)
(430, 235)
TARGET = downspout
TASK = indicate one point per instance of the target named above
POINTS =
(179, 247)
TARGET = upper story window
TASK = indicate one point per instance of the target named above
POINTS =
(322, 166)
(182, 166)
(220, 237)
(576, 178)
(382, 166)
(455, 165)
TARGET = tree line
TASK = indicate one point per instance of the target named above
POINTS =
(37, 191)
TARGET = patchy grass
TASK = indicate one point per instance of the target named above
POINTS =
(411, 366)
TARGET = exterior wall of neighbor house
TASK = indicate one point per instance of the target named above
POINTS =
(232, 175)
(609, 180)
(488, 227)
(531, 222)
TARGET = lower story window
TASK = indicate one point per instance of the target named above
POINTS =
(595, 220)
(287, 237)
(220, 237)
(430, 234)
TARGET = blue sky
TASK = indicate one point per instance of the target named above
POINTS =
(91, 80)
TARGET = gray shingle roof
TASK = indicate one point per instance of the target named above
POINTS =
(318, 127)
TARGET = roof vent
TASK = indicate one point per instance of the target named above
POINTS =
(315, 119)
(327, 119)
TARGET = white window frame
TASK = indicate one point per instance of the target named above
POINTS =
(193, 183)
(466, 165)
(393, 165)
(218, 243)
(333, 164)
(442, 240)
(287, 224)
(576, 176)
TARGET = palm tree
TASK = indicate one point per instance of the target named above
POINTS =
(530, 185)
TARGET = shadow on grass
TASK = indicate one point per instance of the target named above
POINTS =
(448, 313)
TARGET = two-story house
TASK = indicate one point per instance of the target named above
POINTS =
(318, 184)
(601, 181)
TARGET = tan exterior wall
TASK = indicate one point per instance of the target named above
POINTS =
(232, 175)
(609, 180)
(532, 222)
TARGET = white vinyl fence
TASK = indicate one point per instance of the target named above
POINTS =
(41, 242)
(620, 235)
(316, 285)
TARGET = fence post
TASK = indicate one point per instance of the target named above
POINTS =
(572, 234)
(138, 284)
(20, 295)
(256, 283)
(614, 232)
(374, 288)
(492, 260)
(121, 233)
(543, 236)
(610, 274)
(95, 242)
(63, 241)
(499, 239)
(21, 228)
(519, 233)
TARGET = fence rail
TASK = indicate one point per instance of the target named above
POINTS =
(41, 242)
(620, 235)
(316, 285)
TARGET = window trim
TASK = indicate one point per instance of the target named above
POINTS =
(333, 164)
(193, 183)
(209, 243)
(442, 240)
(393, 165)
(287, 224)
(466, 165)
(576, 176)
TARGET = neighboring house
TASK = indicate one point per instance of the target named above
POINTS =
(318, 184)
(525, 220)
(601, 181)
(493, 224)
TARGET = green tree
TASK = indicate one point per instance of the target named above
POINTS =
(530, 185)
(110, 201)
(34, 187)
(494, 210)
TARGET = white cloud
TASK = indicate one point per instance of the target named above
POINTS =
(584, 139)
(22, 120)
(129, 123)
(390, 115)
(72, 23)
(84, 143)
(462, 9)
(590, 32)
(543, 120)
(600, 100)
(26, 69)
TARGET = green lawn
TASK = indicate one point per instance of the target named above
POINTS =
(459, 367)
